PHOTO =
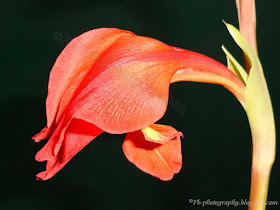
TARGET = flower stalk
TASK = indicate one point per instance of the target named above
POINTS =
(114, 81)
(246, 10)
(247, 21)
(258, 107)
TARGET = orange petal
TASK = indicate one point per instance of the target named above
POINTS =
(118, 82)
(204, 69)
(43, 134)
(127, 88)
(159, 160)
(78, 134)
(160, 133)
(71, 67)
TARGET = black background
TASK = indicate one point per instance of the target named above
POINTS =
(216, 147)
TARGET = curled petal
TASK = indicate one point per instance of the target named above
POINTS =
(127, 87)
(70, 68)
(160, 134)
(78, 134)
(159, 160)
(43, 134)
(204, 69)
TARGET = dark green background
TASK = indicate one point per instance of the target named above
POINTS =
(216, 147)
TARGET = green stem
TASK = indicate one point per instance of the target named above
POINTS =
(263, 158)
(259, 111)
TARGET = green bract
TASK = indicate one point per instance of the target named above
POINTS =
(257, 100)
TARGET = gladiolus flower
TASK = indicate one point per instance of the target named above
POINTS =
(110, 80)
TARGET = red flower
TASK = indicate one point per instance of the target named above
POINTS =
(110, 80)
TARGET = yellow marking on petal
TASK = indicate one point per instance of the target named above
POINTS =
(154, 135)
(160, 134)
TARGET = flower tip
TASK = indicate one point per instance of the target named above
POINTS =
(40, 177)
(39, 158)
(180, 134)
(44, 175)
(43, 134)
(166, 179)
(34, 138)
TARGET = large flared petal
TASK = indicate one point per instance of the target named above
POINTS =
(77, 135)
(70, 68)
(159, 160)
(127, 87)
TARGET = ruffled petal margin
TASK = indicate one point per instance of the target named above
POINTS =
(77, 135)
